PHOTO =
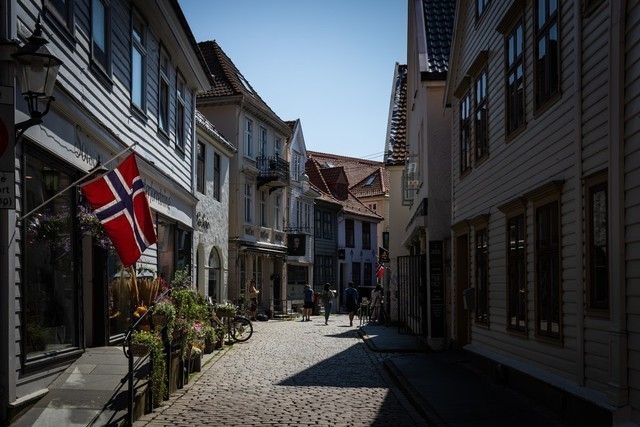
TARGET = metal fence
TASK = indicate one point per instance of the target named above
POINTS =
(412, 295)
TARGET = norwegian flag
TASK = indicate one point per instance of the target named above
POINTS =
(379, 270)
(120, 203)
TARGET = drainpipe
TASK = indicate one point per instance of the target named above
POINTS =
(618, 394)
(577, 36)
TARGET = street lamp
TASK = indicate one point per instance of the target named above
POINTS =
(37, 70)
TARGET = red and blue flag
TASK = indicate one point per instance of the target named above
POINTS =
(120, 203)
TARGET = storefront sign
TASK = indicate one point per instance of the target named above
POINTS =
(7, 190)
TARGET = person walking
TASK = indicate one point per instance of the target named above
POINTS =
(351, 298)
(327, 300)
(376, 303)
(308, 303)
(253, 297)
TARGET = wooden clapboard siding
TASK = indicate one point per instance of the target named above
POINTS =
(632, 198)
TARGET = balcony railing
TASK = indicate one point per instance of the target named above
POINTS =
(273, 171)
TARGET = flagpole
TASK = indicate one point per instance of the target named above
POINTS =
(73, 184)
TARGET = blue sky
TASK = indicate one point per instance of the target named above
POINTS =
(329, 63)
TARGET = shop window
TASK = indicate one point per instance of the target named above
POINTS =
(50, 275)
(174, 249)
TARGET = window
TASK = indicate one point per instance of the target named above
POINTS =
(349, 234)
(318, 224)
(355, 273)
(516, 274)
(482, 122)
(248, 138)
(547, 270)
(200, 168)
(217, 184)
(370, 180)
(327, 226)
(248, 203)
(366, 235)
(515, 77)
(481, 6)
(163, 97)
(213, 285)
(276, 219)
(368, 274)
(138, 62)
(385, 239)
(547, 51)
(174, 248)
(277, 146)
(180, 113)
(482, 273)
(598, 247)
(465, 133)
(263, 209)
(50, 279)
(262, 148)
(101, 35)
(373, 206)
(296, 166)
(62, 10)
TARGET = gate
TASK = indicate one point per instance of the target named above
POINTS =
(412, 294)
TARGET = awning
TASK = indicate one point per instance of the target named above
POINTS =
(265, 251)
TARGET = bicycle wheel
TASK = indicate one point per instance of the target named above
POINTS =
(241, 328)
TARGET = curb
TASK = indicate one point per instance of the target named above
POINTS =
(420, 404)
(373, 347)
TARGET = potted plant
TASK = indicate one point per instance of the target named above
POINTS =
(143, 343)
(225, 310)
(164, 314)
(210, 336)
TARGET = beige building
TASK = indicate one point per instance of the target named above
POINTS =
(259, 178)
(545, 199)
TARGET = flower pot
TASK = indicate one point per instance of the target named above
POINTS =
(209, 347)
(160, 320)
(139, 350)
(196, 364)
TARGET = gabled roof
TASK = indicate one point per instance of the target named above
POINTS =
(356, 170)
(322, 178)
(396, 149)
(228, 82)
(438, 18)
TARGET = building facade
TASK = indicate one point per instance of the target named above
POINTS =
(127, 84)
(211, 228)
(544, 150)
(260, 176)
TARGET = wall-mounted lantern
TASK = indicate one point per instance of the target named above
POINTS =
(37, 71)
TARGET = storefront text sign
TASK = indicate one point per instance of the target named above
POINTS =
(7, 190)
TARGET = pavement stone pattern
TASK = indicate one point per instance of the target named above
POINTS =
(292, 373)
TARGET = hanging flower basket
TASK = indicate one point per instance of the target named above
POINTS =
(139, 350)
(160, 320)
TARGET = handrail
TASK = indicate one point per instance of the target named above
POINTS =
(126, 349)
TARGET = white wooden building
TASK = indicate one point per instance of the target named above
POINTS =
(545, 153)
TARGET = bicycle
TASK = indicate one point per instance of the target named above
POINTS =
(239, 327)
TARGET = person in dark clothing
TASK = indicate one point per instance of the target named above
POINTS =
(351, 298)
(308, 303)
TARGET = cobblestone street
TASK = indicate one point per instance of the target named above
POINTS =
(291, 373)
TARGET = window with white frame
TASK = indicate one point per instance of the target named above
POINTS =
(263, 208)
(163, 96)
(277, 146)
(248, 203)
(296, 166)
(277, 221)
(138, 62)
(262, 148)
(248, 138)
(101, 35)
(465, 133)
(180, 112)
(200, 160)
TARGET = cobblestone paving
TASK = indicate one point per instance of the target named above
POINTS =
(291, 373)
